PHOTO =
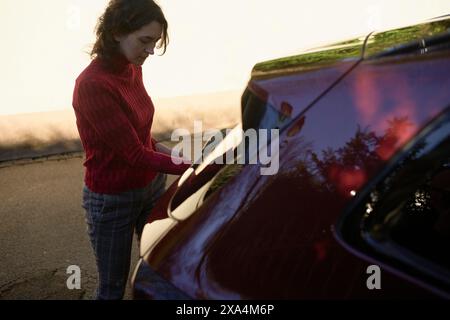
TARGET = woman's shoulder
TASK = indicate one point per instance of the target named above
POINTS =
(93, 74)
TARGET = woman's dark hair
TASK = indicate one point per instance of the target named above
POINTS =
(122, 17)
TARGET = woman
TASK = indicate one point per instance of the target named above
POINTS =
(125, 167)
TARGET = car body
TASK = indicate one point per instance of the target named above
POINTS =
(362, 183)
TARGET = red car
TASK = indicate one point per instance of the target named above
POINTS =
(360, 204)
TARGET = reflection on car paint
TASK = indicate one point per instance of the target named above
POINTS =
(273, 236)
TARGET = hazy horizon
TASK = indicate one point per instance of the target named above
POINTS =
(214, 44)
(156, 101)
(216, 111)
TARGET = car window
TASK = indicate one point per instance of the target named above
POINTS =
(407, 214)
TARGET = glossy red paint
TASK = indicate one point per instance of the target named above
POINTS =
(272, 236)
(285, 221)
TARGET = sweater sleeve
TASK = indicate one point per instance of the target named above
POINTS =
(99, 105)
(154, 142)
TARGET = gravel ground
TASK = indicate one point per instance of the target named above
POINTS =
(43, 230)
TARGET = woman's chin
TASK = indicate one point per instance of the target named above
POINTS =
(139, 61)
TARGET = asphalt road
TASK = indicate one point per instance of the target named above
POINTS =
(43, 231)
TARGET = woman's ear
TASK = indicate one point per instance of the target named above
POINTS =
(117, 38)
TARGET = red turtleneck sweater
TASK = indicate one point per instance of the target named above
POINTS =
(114, 117)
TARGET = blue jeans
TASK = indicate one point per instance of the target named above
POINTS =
(111, 221)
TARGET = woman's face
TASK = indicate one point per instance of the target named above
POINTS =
(138, 45)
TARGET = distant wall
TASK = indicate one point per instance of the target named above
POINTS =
(25, 135)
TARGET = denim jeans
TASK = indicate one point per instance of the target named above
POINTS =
(111, 221)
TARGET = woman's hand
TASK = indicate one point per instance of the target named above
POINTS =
(163, 149)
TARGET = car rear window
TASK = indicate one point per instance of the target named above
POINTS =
(407, 214)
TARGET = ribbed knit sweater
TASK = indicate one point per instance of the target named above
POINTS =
(114, 117)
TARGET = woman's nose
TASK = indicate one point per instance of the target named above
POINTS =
(150, 50)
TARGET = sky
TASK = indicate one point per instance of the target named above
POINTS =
(214, 43)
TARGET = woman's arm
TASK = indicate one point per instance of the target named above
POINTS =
(161, 148)
(164, 149)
